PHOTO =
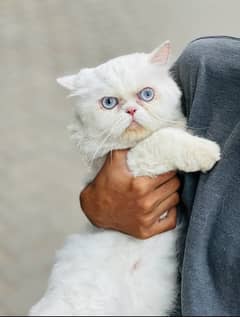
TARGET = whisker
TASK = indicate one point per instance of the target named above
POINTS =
(164, 120)
(175, 122)
(105, 139)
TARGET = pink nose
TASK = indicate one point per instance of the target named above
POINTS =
(131, 111)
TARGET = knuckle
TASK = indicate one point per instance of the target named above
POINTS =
(176, 198)
(177, 182)
(172, 225)
(173, 221)
(95, 222)
(138, 187)
(144, 221)
(146, 204)
(143, 233)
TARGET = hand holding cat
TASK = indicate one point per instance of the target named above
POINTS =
(117, 200)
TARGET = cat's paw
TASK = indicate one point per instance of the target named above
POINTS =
(133, 164)
(206, 155)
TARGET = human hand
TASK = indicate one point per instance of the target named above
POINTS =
(133, 205)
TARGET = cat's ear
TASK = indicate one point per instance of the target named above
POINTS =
(161, 54)
(68, 82)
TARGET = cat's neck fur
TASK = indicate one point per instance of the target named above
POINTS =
(93, 146)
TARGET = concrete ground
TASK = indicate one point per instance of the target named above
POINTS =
(39, 171)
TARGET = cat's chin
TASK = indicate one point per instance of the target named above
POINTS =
(135, 132)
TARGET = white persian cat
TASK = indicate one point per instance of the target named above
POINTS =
(128, 102)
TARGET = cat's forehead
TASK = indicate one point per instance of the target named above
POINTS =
(121, 76)
(124, 73)
(124, 62)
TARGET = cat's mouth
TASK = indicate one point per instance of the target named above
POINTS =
(135, 131)
(134, 125)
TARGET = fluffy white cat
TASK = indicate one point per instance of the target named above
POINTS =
(128, 102)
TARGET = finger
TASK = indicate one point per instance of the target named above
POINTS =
(117, 157)
(169, 203)
(119, 154)
(163, 192)
(151, 183)
(162, 179)
(117, 160)
(165, 224)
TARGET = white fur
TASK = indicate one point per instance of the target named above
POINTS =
(107, 273)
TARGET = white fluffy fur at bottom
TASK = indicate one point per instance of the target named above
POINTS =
(105, 273)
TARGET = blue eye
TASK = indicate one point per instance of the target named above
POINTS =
(146, 94)
(109, 102)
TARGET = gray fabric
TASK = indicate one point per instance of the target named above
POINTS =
(208, 72)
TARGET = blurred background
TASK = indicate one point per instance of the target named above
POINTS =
(39, 170)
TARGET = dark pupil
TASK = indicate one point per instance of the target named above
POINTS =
(148, 94)
(109, 101)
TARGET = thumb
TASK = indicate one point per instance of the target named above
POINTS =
(118, 159)
(119, 154)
